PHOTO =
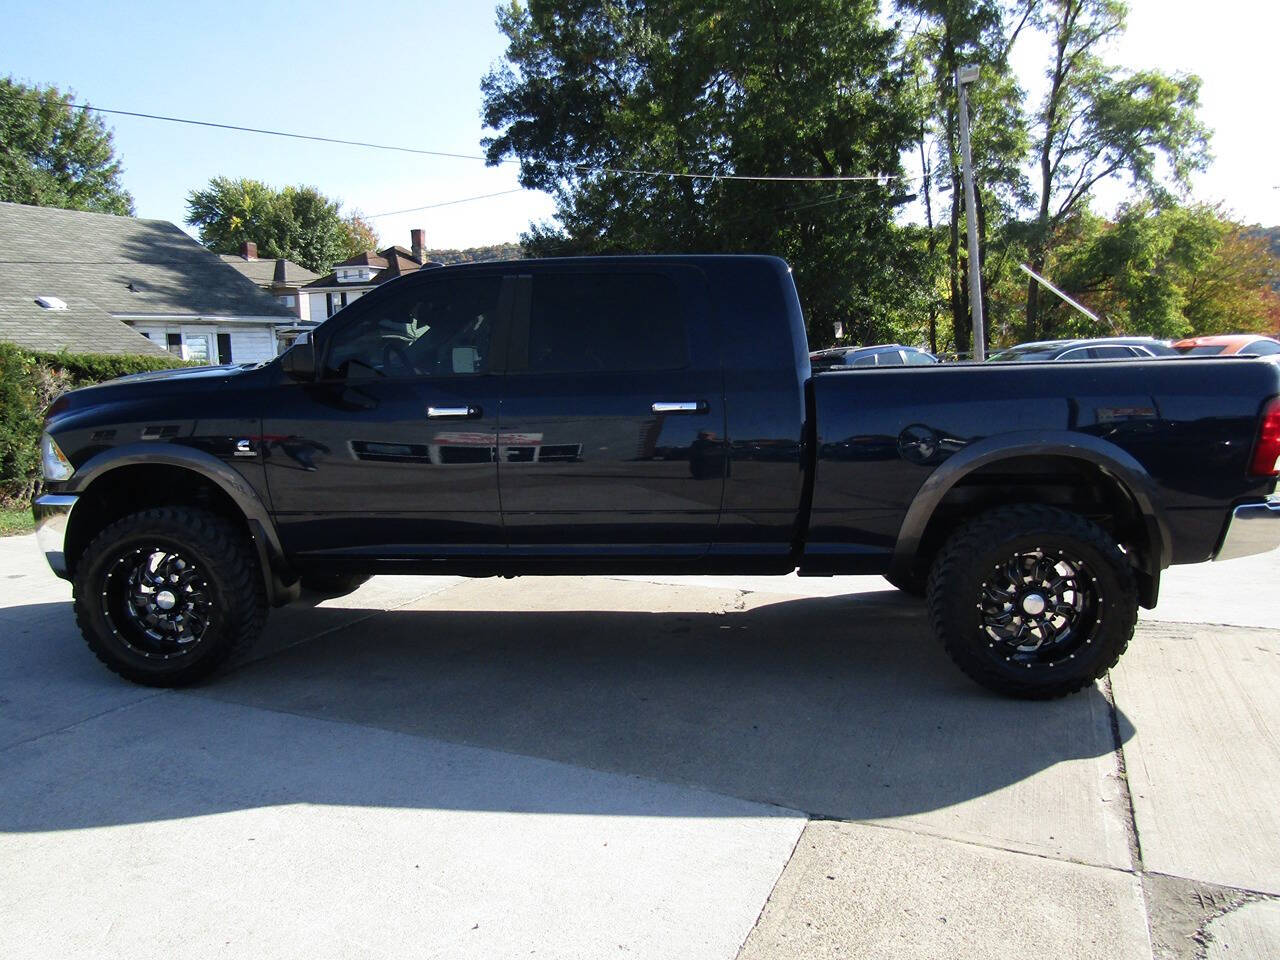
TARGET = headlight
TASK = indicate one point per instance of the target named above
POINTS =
(53, 463)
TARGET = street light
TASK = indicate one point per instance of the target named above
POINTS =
(964, 76)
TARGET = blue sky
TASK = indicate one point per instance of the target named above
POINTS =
(410, 74)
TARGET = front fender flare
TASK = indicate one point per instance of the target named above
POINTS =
(280, 579)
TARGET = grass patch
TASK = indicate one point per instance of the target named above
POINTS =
(15, 520)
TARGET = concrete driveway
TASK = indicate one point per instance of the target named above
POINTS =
(592, 767)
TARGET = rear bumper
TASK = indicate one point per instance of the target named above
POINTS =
(1253, 528)
(53, 513)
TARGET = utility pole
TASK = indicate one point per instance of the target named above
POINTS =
(964, 77)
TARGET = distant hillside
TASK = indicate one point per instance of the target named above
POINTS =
(498, 251)
(1273, 237)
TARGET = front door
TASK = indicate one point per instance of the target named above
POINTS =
(391, 451)
(612, 425)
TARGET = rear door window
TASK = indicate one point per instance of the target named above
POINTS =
(606, 323)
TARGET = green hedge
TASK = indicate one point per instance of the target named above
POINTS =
(29, 382)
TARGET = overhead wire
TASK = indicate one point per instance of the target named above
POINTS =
(444, 203)
(578, 168)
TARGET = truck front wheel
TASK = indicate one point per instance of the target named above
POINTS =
(163, 597)
(1033, 601)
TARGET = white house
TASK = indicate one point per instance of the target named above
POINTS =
(97, 283)
(355, 277)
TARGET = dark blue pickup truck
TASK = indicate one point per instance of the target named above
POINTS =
(649, 414)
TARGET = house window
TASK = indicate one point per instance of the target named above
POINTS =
(173, 343)
(336, 301)
(224, 348)
(286, 300)
(198, 348)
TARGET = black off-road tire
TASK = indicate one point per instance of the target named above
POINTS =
(973, 567)
(229, 575)
(334, 584)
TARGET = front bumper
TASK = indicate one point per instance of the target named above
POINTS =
(53, 513)
(1253, 528)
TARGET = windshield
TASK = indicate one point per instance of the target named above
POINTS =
(1025, 353)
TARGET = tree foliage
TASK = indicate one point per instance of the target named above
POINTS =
(947, 34)
(1098, 122)
(591, 91)
(29, 382)
(298, 223)
(1167, 272)
(53, 155)
(361, 235)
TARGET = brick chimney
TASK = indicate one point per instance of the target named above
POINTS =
(249, 250)
(418, 245)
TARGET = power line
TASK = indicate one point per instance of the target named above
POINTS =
(446, 203)
(578, 168)
(266, 132)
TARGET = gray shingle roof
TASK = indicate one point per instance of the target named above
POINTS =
(263, 271)
(103, 265)
(82, 328)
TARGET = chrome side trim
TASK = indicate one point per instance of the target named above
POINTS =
(53, 512)
(1254, 528)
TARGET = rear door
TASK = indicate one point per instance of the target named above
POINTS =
(611, 432)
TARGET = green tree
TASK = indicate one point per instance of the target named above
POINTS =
(1098, 122)
(591, 90)
(360, 235)
(231, 212)
(53, 155)
(946, 35)
(298, 223)
(1167, 272)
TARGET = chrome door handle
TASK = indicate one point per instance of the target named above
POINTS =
(680, 406)
(453, 413)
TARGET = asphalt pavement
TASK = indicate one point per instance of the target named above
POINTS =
(694, 767)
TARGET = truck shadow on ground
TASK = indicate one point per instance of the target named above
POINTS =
(841, 707)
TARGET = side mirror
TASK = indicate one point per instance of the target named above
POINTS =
(299, 361)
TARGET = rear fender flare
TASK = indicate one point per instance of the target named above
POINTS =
(1110, 459)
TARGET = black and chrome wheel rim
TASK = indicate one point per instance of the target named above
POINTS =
(157, 602)
(1039, 608)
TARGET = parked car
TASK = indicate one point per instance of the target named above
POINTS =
(1101, 348)
(648, 414)
(881, 355)
(1226, 344)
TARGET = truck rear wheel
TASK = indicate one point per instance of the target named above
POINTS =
(1033, 601)
(163, 597)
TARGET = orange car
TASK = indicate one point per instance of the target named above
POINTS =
(1251, 343)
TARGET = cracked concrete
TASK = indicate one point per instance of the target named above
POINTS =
(1181, 912)
(583, 766)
